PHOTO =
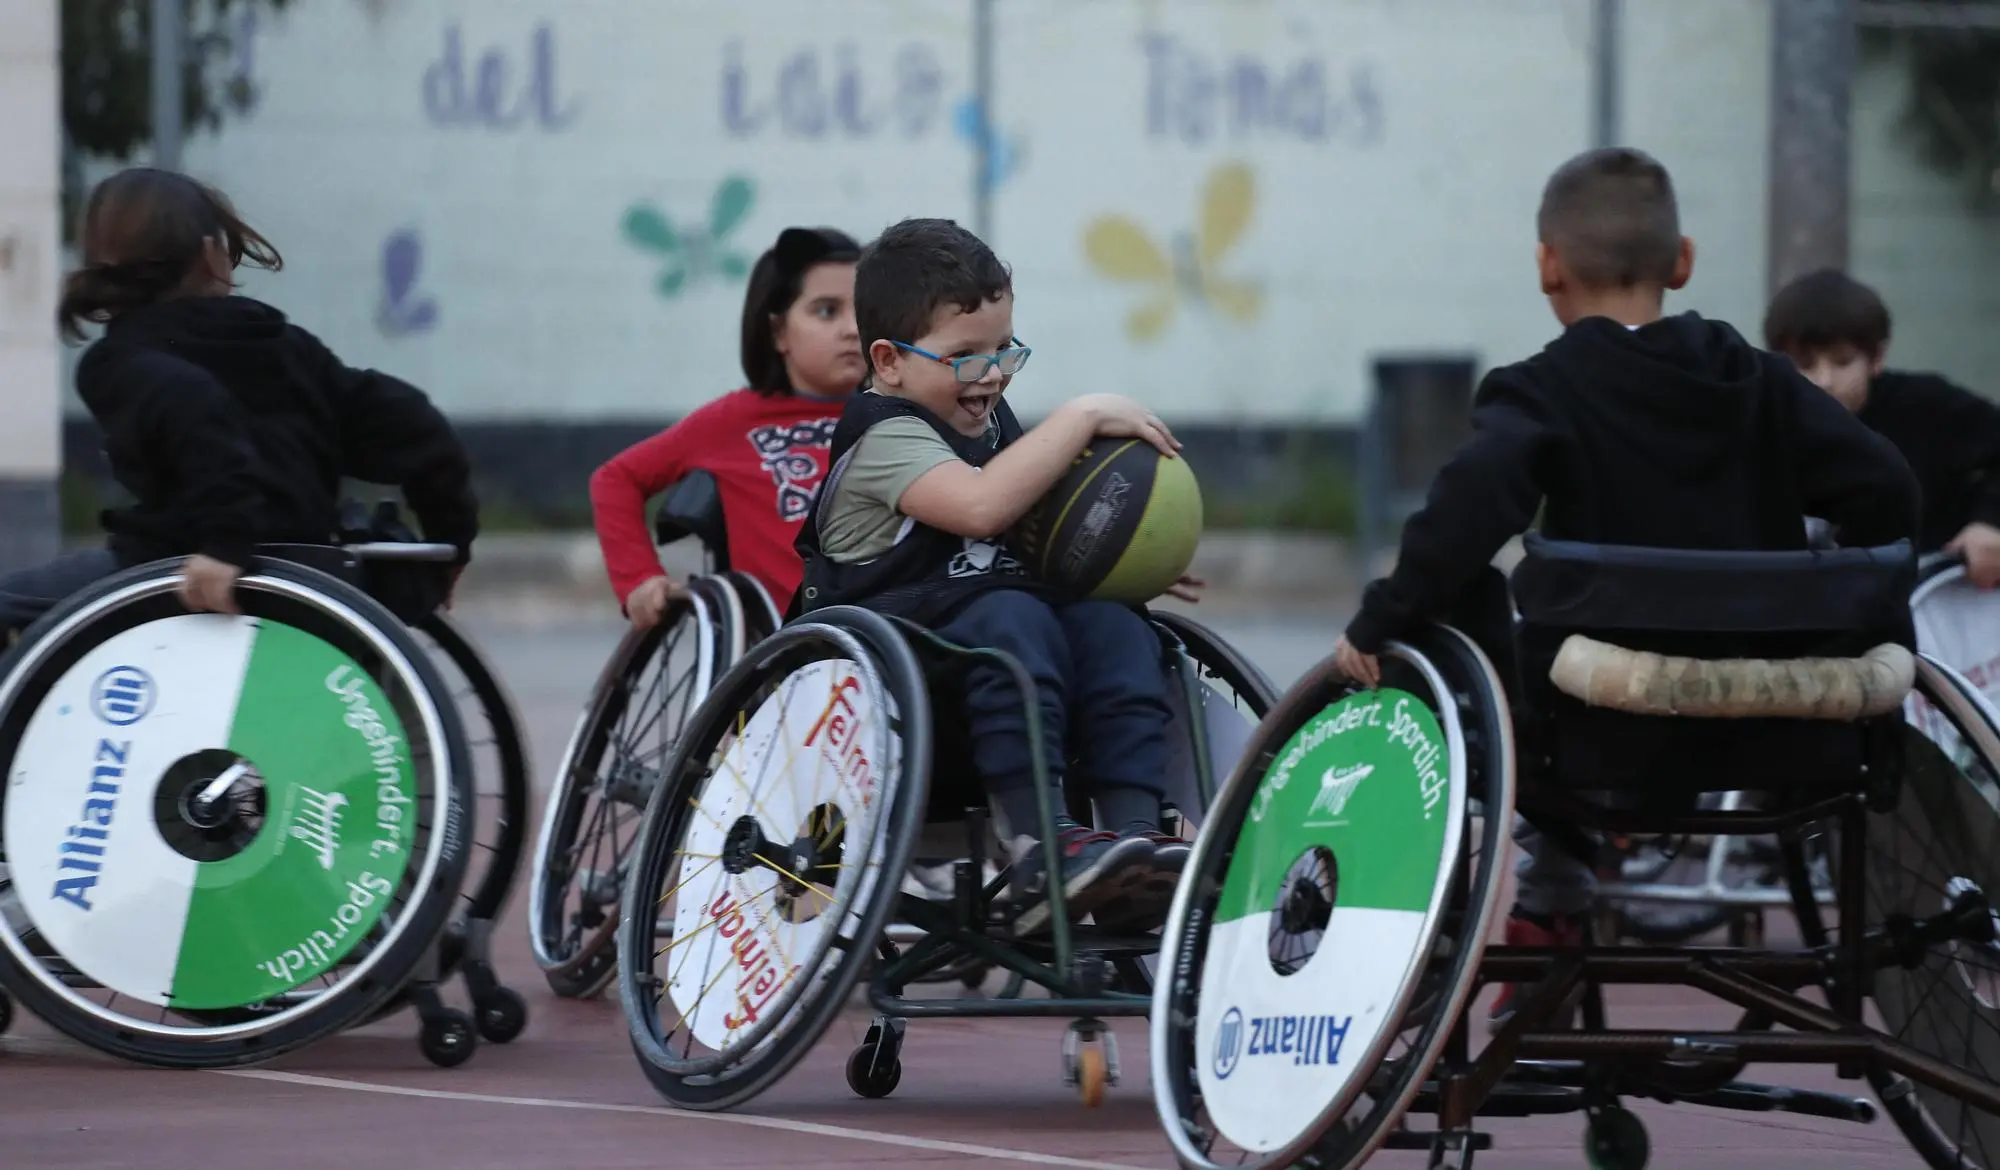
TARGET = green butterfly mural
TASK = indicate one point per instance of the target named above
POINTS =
(694, 252)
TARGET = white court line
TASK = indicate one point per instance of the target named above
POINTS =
(813, 1128)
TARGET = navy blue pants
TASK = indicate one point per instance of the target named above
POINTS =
(1100, 684)
(27, 594)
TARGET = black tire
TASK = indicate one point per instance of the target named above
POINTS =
(794, 1016)
(279, 594)
(574, 949)
(1448, 675)
(1944, 827)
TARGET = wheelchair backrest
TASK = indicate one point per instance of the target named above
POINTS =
(1700, 604)
(693, 507)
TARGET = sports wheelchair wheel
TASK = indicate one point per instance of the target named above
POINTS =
(1938, 845)
(769, 859)
(1359, 823)
(636, 715)
(498, 751)
(226, 837)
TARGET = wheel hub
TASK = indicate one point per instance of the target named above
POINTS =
(210, 805)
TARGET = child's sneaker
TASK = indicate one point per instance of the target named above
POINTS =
(1142, 906)
(1094, 866)
(1536, 930)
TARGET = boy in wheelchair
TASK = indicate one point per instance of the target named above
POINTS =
(1837, 330)
(929, 469)
(1632, 428)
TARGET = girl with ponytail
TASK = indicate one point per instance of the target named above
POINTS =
(229, 425)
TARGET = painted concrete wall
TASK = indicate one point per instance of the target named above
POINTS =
(542, 210)
(30, 243)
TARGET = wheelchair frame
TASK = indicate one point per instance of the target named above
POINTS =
(461, 946)
(1531, 1065)
(1088, 973)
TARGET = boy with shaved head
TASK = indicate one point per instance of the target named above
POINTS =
(1632, 428)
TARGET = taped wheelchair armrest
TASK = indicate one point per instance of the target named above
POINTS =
(1846, 689)
(693, 507)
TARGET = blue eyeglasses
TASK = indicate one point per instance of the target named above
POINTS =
(973, 367)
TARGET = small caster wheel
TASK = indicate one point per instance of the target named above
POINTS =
(973, 977)
(1090, 1077)
(448, 1038)
(502, 1014)
(872, 1073)
(1616, 1140)
(1746, 930)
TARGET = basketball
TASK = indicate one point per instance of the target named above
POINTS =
(1120, 525)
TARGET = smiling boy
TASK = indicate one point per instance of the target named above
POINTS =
(928, 472)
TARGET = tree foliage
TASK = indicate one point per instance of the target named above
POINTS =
(1952, 113)
(107, 76)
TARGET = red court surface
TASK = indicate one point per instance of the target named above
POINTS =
(568, 1095)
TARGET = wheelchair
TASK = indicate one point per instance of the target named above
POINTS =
(788, 885)
(1332, 929)
(1664, 892)
(223, 938)
(618, 749)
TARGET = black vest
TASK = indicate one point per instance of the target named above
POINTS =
(929, 574)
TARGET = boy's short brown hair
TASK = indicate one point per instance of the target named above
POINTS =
(1612, 217)
(915, 268)
(1824, 310)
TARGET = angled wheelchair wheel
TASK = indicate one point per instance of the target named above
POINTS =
(1938, 849)
(1231, 697)
(770, 857)
(761, 618)
(226, 837)
(1327, 937)
(614, 760)
(498, 751)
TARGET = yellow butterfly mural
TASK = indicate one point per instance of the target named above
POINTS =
(1120, 249)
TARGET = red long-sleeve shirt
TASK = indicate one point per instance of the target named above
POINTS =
(767, 454)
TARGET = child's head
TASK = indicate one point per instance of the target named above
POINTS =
(798, 316)
(1611, 242)
(926, 294)
(1835, 328)
(150, 235)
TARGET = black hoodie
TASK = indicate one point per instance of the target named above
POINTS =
(1951, 438)
(1679, 434)
(232, 427)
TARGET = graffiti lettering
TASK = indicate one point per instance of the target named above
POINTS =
(815, 93)
(496, 100)
(1196, 98)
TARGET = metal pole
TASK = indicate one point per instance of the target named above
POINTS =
(1606, 79)
(982, 86)
(169, 24)
(1812, 87)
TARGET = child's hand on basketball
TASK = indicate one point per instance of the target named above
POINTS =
(1115, 416)
(648, 603)
(209, 585)
(1979, 545)
(1362, 668)
(1186, 588)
